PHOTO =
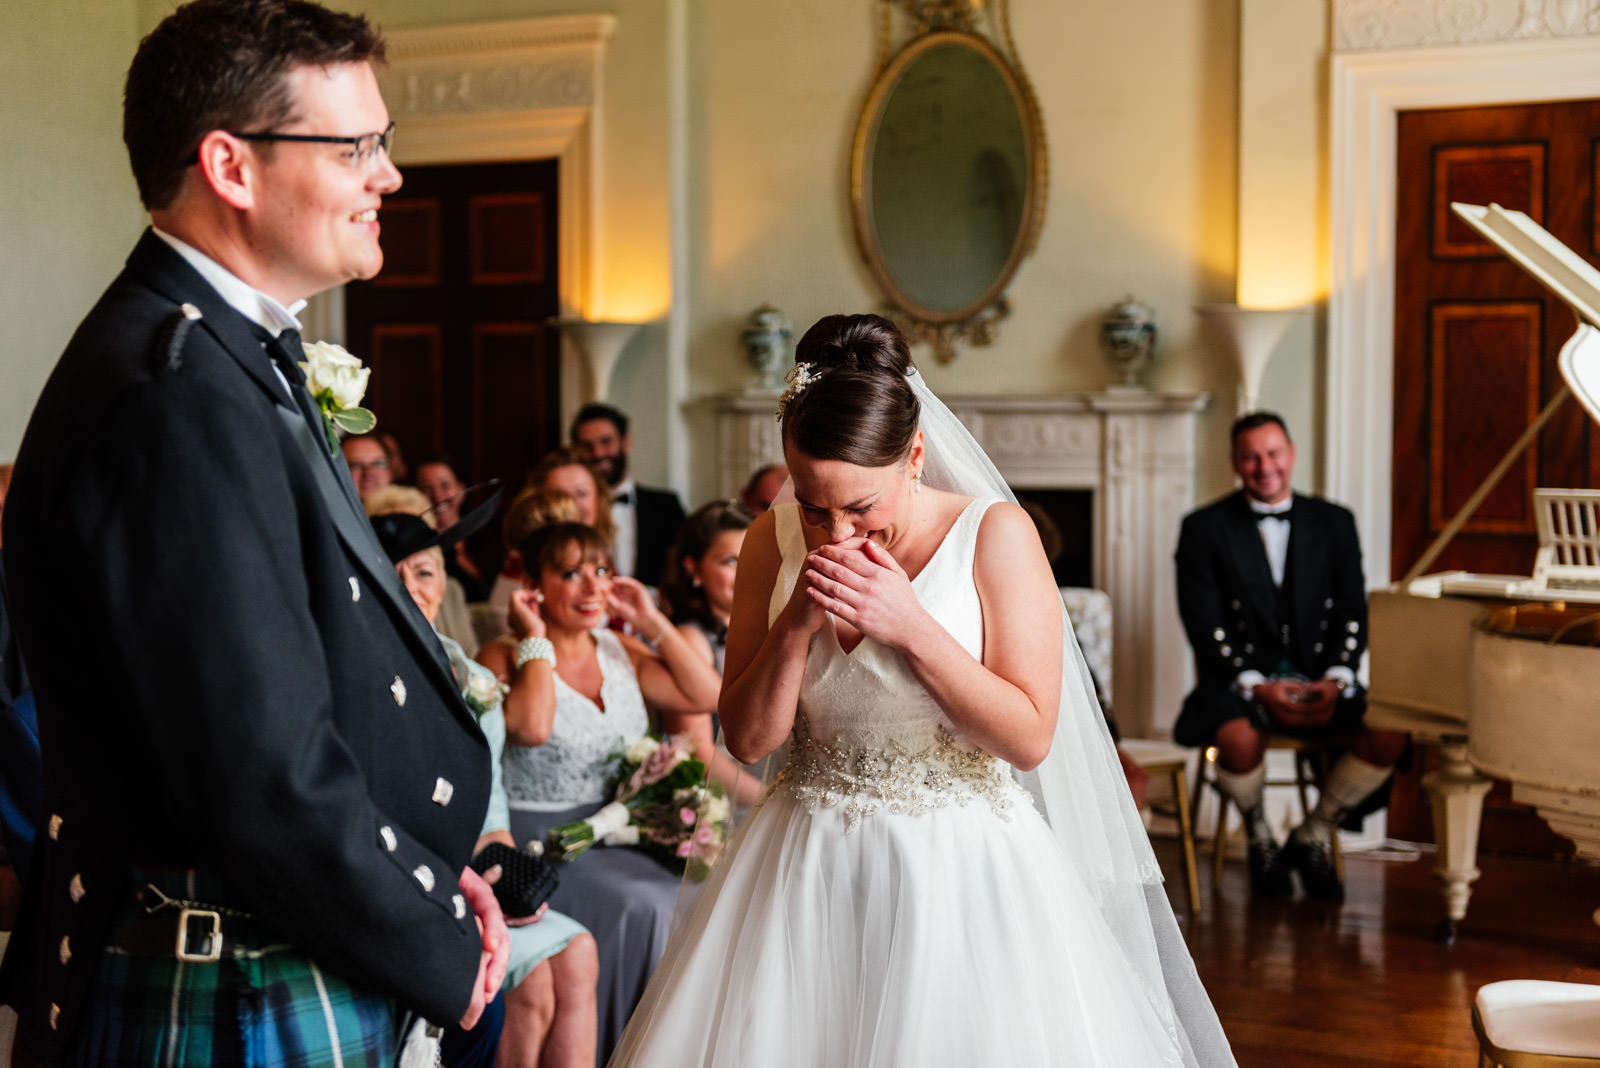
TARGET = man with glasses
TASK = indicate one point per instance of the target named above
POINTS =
(368, 463)
(261, 783)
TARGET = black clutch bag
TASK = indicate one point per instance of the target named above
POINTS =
(526, 881)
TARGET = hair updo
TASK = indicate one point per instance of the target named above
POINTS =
(858, 407)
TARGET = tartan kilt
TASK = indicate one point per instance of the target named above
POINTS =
(263, 1003)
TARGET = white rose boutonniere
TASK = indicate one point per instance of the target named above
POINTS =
(337, 382)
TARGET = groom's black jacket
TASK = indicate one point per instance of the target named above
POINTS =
(229, 676)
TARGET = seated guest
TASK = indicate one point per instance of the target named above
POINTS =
(455, 619)
(1273, 599)
(436, 477)
(549, 983)
(547, 500)
(398, 469)
(698, 591)
(762, 489)
(577, 700)
(647, 519)
(571, 471)
(369, 464)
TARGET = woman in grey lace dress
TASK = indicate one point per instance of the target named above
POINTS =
(580, 700)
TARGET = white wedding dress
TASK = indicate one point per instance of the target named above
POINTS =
(895, 899)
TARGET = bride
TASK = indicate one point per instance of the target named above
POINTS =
(898, 896)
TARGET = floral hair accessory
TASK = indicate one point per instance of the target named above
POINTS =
(799, 377)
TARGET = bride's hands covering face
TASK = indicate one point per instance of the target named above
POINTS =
(861, 583)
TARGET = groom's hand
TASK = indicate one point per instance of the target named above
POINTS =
(496, 945)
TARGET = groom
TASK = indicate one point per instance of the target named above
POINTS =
(261, 785)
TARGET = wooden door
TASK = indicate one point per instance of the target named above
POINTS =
(1476, 344)
(454, 325)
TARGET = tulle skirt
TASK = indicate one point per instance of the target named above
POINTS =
(954, 937)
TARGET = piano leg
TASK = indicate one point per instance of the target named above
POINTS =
(1457, 791)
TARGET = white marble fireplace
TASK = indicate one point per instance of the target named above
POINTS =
(1133, 449)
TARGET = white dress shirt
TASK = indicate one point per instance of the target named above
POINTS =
(1275, 540)
(248, 301)
(626, 518)
(1274, 533)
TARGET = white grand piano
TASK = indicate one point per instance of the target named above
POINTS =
(1500, 671)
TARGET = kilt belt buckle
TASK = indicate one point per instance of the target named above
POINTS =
(213, 937)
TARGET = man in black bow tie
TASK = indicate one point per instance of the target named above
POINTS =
(262, 785)
(647, 519)
(1272, 596)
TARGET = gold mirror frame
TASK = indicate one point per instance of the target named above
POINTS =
(940, 23)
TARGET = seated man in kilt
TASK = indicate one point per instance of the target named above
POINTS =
(1272, 597)
(261, 782)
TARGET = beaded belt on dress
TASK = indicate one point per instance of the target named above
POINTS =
(894, 777)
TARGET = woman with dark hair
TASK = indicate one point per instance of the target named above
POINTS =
(698, 588)
(896, 897)
(578, 699)
(698, 592)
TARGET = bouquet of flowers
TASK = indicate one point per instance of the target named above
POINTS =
(663, 805)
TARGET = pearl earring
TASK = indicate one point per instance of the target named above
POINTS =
(538, 595)
(916, 482)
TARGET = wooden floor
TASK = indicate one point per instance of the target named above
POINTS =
(1303, 983)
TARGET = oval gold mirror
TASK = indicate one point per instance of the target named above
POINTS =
(947, 185)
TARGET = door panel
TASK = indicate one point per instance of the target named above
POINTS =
(454, 327)
(1476, 345)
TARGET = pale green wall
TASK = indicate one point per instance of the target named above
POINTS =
(1283, 205)
(68, 209)
(1140, 111)
(1142, 115)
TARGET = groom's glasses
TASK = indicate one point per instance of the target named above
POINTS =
(363, 149)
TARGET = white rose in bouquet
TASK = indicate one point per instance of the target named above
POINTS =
(640, 751)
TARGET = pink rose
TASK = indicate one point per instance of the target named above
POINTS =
(687, 815)
(685, 848)
(705, 835)
(658, 765)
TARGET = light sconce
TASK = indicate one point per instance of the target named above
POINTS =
(1252, 335)
(600, 344)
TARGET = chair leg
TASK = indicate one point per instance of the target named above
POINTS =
(1219, 841)
(1191, 878)
(1302, 772)
(1333, 835)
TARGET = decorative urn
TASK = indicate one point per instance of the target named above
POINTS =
(1129, 335)
(766, 345)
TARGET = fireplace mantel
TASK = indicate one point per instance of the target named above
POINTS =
(1133, 448)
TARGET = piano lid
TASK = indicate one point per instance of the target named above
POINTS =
(1576, 281)
(1560, 270)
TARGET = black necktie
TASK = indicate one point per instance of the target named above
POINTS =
(1283, 515)
(625, 497)
(286, 353)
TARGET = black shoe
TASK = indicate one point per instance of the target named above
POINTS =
(1269, 877)
(1314, 861)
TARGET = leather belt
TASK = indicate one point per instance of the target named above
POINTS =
(184, 930)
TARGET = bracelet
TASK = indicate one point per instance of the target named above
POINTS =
(535, 649)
